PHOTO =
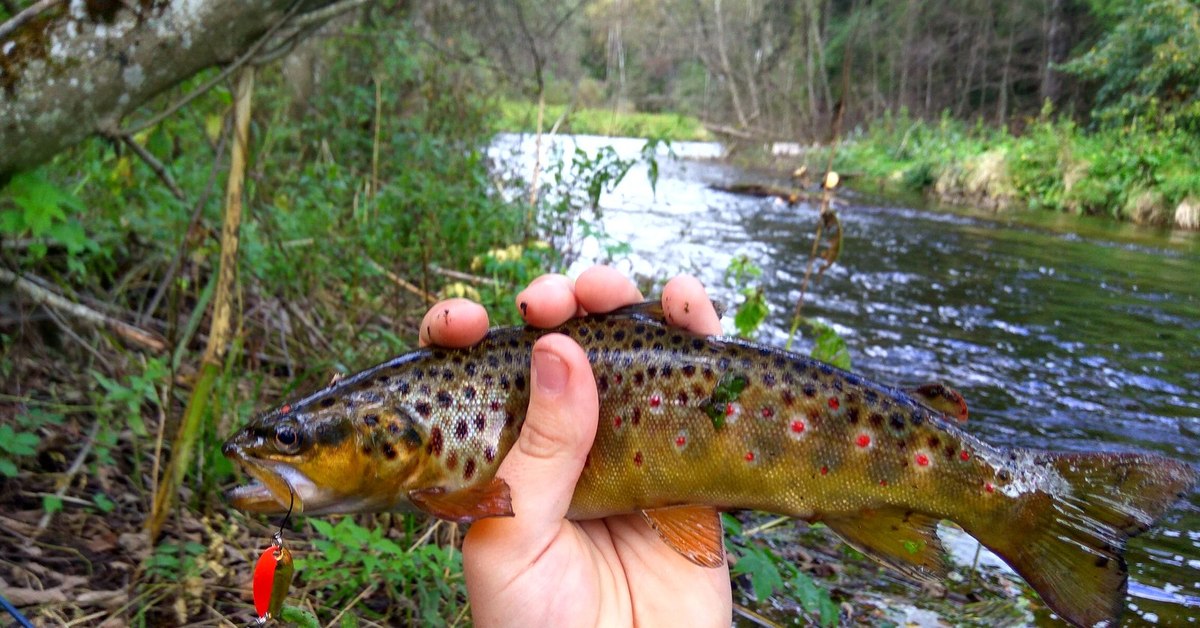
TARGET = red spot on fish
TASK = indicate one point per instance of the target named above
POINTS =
(797, 427)
(883, 482)
(286, 408)
(618, 378)
(964, 456)
(617, 423)
(922, 460)
(824, 470)
(680, 440)
(749, 456)
(767, 413)
(833, 403)
(729, 410)
(989, 487)
(637, 458)
(655, 401)
(863, 440)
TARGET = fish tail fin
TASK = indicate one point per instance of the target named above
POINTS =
(1068, 540)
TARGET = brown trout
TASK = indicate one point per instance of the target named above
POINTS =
(690, 426)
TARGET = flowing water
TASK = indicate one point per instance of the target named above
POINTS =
(1062, 333)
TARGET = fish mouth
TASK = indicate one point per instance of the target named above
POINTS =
(274, 488)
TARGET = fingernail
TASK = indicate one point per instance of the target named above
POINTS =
(549, 372)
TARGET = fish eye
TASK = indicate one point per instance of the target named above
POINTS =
(287, 438)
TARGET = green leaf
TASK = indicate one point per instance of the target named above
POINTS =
(763, 572)
(51, 503)
(23, 444)
(103, 502)
(295, 616)
(7, 468)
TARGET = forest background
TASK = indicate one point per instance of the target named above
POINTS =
(144, 314)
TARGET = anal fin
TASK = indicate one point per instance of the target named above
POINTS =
(467, 504)
(693, 531)
(903, 540)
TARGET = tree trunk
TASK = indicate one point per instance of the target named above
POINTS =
(1058, 46)
(77, 68)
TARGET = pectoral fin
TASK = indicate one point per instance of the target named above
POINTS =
(901, 539)
(467, 504)
(693, 531)
(942, 398)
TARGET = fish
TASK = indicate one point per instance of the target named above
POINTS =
(691, 426)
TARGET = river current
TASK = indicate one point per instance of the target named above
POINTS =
(1061, 332)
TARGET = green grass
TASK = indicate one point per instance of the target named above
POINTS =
(522, 117)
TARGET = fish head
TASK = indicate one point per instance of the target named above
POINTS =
(315, 460)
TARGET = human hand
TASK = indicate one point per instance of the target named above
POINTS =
(537, 568)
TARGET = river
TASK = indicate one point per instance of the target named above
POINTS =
(1061, 332)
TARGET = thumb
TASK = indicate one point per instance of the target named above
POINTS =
(543, 466)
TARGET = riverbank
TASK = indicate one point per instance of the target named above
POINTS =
(1131, 174)
(521, 117)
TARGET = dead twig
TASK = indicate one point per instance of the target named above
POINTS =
(476, 279)
(64, 482)
(152, 161)
(47, 298)
(20, 19)
(399, 281)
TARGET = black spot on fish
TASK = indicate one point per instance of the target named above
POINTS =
(489, 453)
(469, 392)
(689, 370)
(480, 422)
(896, 420)
(470, 369)
(681, 398)
(444, 399)
(418, 374)
(660, 332)
(934, 441)
(950, 451)
(810, 390)
(382, 380)
(519, 382)
(512, 342)
(452, 460)
(639, 379)
(326, 402)
(768, 379)
(508, 357)
(723, 363)
(504, 382)
(599, 335)
(877, 420)
(460, 429)
(439, 354)
(619, 335)
(423, 408)
(602, 384)
(652, 372)
(637, 343)
(697, 344)
(404, 388)
(1004, 475)
(639, 329)
(917, 418)
(666, 371)
(371, 420)
(837, 385)
(789, 399)
(658, 346)
(366, 449)
(493, 361)
(456, 358)
(871, 396)
(584, 331)
(447, 374)
(509, 419)
(389, 451)
(637, 415)
(469, 469)
(435, 441)
(779, 362)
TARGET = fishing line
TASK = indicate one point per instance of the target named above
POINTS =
(278, 538)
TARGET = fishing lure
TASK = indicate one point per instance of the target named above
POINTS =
(273, 577)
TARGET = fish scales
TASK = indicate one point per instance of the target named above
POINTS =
(720, 423)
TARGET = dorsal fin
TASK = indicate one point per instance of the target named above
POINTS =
(904, 540)
(652, 310)
(942, 398)
(693, 531)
